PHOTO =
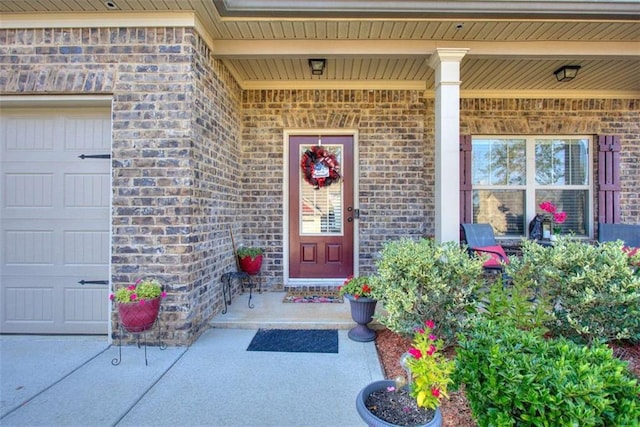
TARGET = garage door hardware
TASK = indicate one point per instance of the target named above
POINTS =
(95, 156)
(94, 282)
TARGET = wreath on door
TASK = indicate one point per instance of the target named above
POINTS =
(320, 167)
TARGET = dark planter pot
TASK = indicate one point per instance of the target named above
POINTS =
(362, 310)
(251, 265)
(374, 421)
(136, 317)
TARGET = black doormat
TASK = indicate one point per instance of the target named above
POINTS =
(295, 340)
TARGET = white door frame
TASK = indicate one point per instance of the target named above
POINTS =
(285, 203)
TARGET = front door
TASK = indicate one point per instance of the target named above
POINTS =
(321, 217)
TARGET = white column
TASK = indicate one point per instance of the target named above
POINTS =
(446, 63)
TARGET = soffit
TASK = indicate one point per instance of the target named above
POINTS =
(356, 59)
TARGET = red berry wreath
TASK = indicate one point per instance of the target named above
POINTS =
(320, 167)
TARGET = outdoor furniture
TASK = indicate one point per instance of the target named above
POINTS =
(628, 233)
(480, 239)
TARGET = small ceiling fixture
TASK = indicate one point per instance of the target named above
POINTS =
(317, 66)
(566, 72)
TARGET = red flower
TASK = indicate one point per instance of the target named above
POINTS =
(435, 391)
(548, 207)
(417, 354)
(366, 289)
(559, 217)
(432, 349)
(430, 324)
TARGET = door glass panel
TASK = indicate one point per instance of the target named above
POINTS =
(321, 209)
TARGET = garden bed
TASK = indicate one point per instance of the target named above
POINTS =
(455, 410)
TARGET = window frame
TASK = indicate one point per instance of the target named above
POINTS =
(530, 187)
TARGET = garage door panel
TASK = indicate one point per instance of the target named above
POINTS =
(54, 218)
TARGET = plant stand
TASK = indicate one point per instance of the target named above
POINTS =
(116, 360)
(244, 279)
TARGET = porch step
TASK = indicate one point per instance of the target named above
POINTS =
(270, 312)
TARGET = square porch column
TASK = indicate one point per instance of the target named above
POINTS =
(446, 63)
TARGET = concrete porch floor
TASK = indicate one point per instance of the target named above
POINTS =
(270, 312)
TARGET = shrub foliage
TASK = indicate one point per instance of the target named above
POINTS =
(594, 291)
(422, 279)
(516, 377)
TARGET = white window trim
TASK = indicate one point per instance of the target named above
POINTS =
(530, 202)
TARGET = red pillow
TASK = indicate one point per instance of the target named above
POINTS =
(493, 251)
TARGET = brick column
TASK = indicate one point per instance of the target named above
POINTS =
(446, 63)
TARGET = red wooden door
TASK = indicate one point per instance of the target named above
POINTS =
(321, 225)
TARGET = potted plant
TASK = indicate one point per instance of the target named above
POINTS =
(358, 291)
(138, 304)
(416, 400)
(250, 259)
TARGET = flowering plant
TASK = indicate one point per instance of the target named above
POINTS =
(557, 217)
(357, 286)
(430, 369)
(142, 290)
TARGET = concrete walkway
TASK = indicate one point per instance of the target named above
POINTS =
(70, 381)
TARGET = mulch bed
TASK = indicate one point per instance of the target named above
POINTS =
(455, 410)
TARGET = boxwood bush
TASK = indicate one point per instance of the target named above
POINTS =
(594, 291)
(517, 377)
(421, 279)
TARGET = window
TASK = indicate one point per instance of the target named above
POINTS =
(511, 176)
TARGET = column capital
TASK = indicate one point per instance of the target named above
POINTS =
(444, 54)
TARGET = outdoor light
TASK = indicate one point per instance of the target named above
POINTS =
(317, 66)
(566, 72)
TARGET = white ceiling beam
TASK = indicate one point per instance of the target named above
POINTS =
(394, 48)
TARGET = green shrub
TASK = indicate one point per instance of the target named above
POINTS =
(594, 290)
(249, 251)
(418, 280)
(516, 377)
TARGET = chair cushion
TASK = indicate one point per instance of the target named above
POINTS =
(496, 252)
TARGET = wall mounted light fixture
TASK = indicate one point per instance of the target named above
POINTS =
(317, 66)
(566, 72)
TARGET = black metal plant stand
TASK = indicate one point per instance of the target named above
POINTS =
(244, 278)
(163, 346)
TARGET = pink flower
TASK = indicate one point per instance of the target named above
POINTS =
(435, 392)
(134, 297)
(131, 287)
(432, 349)
(432, 337)
(419, 331)
(142, 302)
(417, 354)
(559, 217)
(163, 294)
(548, 207)
(111, 296)
(430, 324)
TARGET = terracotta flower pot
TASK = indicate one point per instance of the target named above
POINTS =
(137, 316)
(251, 265)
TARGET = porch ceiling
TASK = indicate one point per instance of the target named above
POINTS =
(514, 45)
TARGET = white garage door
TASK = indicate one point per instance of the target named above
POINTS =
(54, 220)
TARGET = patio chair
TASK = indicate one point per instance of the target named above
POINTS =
(628, 233)
(480, 240)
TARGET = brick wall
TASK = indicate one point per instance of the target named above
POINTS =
(175, 152)
(394, 189)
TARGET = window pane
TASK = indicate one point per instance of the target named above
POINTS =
(573, 202)
(562, 162)
(499, 162)
(503, 209)
(321, 209)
